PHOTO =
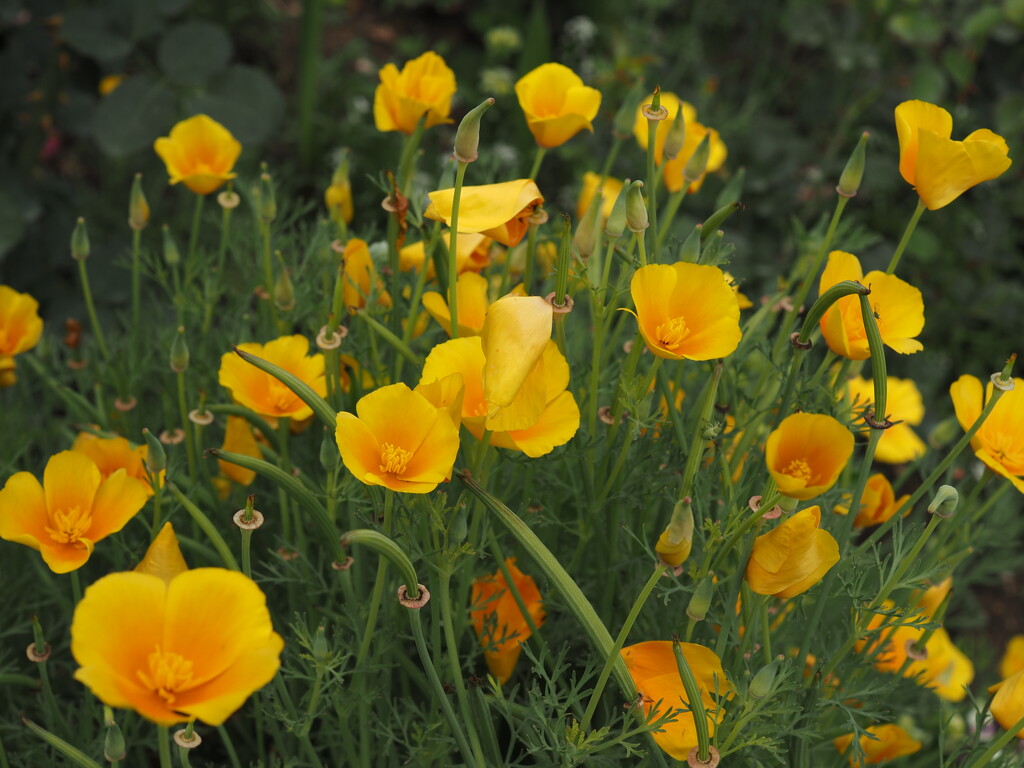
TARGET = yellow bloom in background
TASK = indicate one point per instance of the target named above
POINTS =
(110, 454)
(425, 85)
(399, 439)
(806, 453)
(939, 168)
(196, 645)
(338, 196)
(686, 311)
(695, 132)
(239, 438)
(889, 742)
(163, 558)
(898, 307)
(556, 103)
(1008, 704)
(109, 83)
(499, 211)
(792, 558)
(261, 392)
(877, 504)
(999, 443)
(361, 277)
(497, 620)
(610, 190)
(73, 509)
(515, 333)
(899, 443)
(200, 152)
(652, 665)
(741, 298)
(929, 600)
(20, 329)
(472, 253)
(1013, 658)
(471, 290)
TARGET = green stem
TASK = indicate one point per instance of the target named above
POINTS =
(378, 586)
(911, 225)
(674, 201)
(136, 301)
(997, 745)
(247, 552)
(193, 238)
(76, 588)
(652, 192)
(453, 236)
(91, 309)
(641, 248)
(163, 745)
(186, 425)
(537, 160)
(206, 526)
(69, 751)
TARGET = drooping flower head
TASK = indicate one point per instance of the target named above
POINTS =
(499, 211)
(498, 621)
(898, 307)
(686, 311)
(904, 406)
(877, 504)
(113, 453)
(200, 152)
(792, 557)
(556, 103)
(652, 665)
(806, 453)
(425, 85)
(880, 744)
(260, 391)
(70, 511)
(999, 442)
(939, 168)
(399, 439)
(20, 329)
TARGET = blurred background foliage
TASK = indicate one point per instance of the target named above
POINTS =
(790, 84)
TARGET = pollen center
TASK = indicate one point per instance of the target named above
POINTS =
(799, 469)
(280, 397)
(671, 333)
(393, 459)
(169, 673)
(68, 525)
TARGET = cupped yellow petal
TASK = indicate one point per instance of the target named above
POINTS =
(70, 481)
(1013, 657)
(118, 500)
(806, 453)
(23, 516)
(968, 400)
(556, 103)
(1008, 704)
(239, 438)
(946, 169)
(514, 335)
(360, 449)
(446, 393)
(471, 293)
(793, 557)
(899, 311)
(496, 210)
(20, 325)
(465, 357)
(163, 558)
(200, 152)
(557, 425)
(880, 744)
(911, 117)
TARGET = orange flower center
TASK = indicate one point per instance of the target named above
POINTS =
(67, 526)
(799, 469)
(393, 460)
(168, 674)
(279, 396)
(671, 333)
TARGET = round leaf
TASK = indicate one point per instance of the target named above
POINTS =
(245, 101)
(134, 116)
(193, 52)
(90, 32)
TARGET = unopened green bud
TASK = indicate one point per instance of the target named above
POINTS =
(691, 246)
(459, 527)
(467, 137)
(849, 182)
(588, 230)
(284, 293)
(716, 219)
(156, 457)
(179, 352)
(676, 136)
(172, 256)
(113, 740)
(321, 651)
(267, 201)
(80, 241)
(138, 208)
(762, 683)
(329, 451)
(623, 126)
(636, 210)
(945, 501)
(944, 433)
(698, 162)
(701, 599)
(616, 223)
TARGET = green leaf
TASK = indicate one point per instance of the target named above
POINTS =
(916, 28)
(12, 222)
(193, 52)
(140, 111)
(245, 100)
(169, 7)
(90, 32)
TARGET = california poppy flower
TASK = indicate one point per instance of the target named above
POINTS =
(877, 504)
(361, 278)
(200, 152)
(471, 290)
(70, 511)
(999, 442)
(498, 621)
(472, 253)
(904, 406)
(239, 438)
(880, 744)
(499, 211)
(425, 85)
(113, 453)
(515, 333)
(556, 103)
(806, 453)
(1008, 703)
(792, 557)
(938, 168)
(1013, 658)
(261, 392)
(20, 329)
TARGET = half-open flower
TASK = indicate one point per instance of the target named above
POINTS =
(200, 153)
(939, 168)
(806, 453)
(20, 329)
(877, 504)
(556, 103)
(880, 744)
(999, 442)
(792, 557)
(499, 211)
(73, 509)
(260, 391)
(498, 620)
(425, 85)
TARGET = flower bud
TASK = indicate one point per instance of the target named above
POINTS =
(172, 256)
(588, 230)
(80, 241)
(698, 162)
(617, 218)
(114, 748)
(674, 544)
(691, 246)
(8, 371)
(321, 651)
(623, 125)
(701, 599)
(636, 210)
(467, 137)
(849, 182)
(761, 684)
(676, 136)
(459, 527)
(267, 201)
(338, 196)
(138, 207)
(156, 457)
(945, 501)
(284, 293)
(329, 451)
(179, 352)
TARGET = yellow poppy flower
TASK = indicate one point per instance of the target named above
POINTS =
(652, 665)
(499, 211)
(899, 310)
(338, 196)
(261, 392)
(1008, 703)
(425, 85)
(73, 509)
(806, 453)
(880, 744)
(1013, 658)
(239, 438)
(110, 454)
(999, 442)
(361, 277)
(200, 152)
(163, 557)
(695, 132)
(556, 103)
(610, 190)
(515, 333)
(399, 439)
(792, 557)
(196, 645)
(20, 329)
(686, 311)
(447, 394)
(929, 600)
(877, 504)
(939, 168)
(471, 290)
(497, 620)
(472, 253)
(899, 443)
